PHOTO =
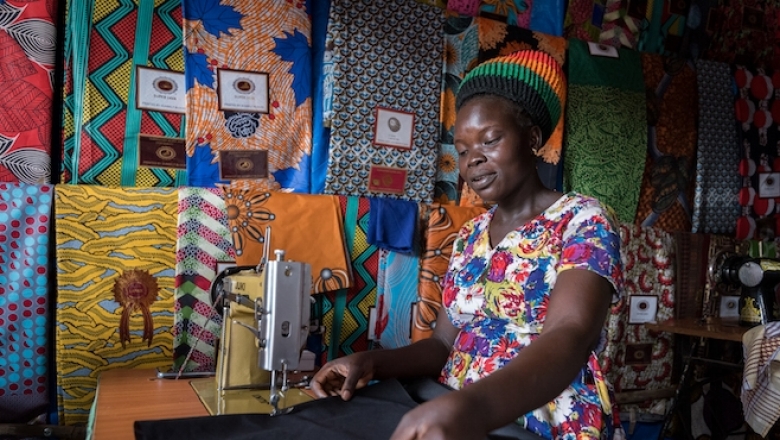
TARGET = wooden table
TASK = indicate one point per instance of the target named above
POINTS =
(124, 396)
(715, 328)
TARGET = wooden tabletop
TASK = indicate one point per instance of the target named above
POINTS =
(714, 328)
(124, 396)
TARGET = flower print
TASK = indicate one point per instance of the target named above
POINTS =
(507, 348)
(511, 303)
(245, 214)
(576, 252)
(471, 273)
(498, 264)
(483, 346)
(466, 342)
(491, 32)
(448, 291)
(447, 163)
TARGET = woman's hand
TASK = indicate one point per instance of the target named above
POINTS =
(343, 376)
(449, 417)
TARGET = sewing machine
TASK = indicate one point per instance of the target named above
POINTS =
(266, 312)
(758, 279)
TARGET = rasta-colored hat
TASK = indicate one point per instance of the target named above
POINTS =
(529, 78)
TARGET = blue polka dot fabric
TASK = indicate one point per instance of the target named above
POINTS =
(25, 213)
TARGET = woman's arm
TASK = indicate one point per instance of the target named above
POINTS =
(576, 315)
(423, 358)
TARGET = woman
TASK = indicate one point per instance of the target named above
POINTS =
(528, 287)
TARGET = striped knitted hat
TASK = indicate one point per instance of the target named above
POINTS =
(531, 79)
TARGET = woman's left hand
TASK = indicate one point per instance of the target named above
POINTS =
(449, 417)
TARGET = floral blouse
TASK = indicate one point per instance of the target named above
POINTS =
(497, 298)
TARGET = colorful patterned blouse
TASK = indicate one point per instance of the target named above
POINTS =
(497, 298)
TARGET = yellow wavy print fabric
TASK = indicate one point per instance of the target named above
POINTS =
(115, 280)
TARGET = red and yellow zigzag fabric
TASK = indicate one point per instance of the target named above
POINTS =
(104, 42)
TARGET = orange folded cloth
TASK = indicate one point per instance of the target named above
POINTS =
(309, 228)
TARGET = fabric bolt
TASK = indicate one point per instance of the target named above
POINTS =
(28, 47)
(605, 133)
(583, 20)
(663, 27)
(397, 284)
(486, 284)
(665, 199)
(715, 204)
(735, 32)
(393, 225)
(757, 111)
(320, 14)
(307, 227)
(636, 358)
(203, 241)
(443, 222)
(761, 379)
(387, 56)
(621, 24)
(25, 221)
(345, 312)
(115, 260)
(104, 43)
(252, 36)
(541, 16)
(461, 52)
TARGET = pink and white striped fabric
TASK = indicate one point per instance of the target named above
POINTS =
(761, 379)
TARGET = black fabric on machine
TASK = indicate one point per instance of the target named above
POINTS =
(372, 413)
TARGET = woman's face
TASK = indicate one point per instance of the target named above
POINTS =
(494, 147)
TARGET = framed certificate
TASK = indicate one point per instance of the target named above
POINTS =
(642, 308)
(242, 91)
(393, 128)
(603, 50)
(159, 90)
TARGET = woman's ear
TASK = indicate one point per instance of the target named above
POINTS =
(535, 139)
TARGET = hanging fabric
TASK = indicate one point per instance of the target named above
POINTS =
(757, 111)
(28, 38)
(461, 55)
(397, 285)
(123, 100)
(203, 245)
(320, 14)
(663, 27)
(387, 77)
(345, 312)
(666, 195)
(715, 205)
(541, 16)
(443, 222)
(25, 222)
(115, 264)
(606, 128)
(635, 358)
(248, 71)
(621, 23)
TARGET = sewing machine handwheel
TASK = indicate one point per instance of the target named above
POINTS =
(218, 284)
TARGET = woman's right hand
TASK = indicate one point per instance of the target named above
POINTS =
(343, 376)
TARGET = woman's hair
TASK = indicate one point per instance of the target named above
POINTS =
(530, 79)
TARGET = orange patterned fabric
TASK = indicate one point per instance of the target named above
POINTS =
(443, 224)
(666, 195)
(309, 228)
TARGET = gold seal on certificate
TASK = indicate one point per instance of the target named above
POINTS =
(642, 308)
(160, 90)
(393, 128)
(242, 91)
(243, 164)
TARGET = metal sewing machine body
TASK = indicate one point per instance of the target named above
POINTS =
(758, 279)
(266, 314)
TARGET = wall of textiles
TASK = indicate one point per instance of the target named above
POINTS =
(147, 142)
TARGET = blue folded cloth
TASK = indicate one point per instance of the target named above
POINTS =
(392, 224)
